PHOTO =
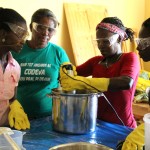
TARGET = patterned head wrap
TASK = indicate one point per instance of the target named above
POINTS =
(112, 28)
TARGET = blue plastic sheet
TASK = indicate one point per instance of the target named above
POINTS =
(42, 137)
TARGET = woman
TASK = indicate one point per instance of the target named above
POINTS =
(40, 61)
(136, 139)
(13, 33)
(143, 42)
(114, 73)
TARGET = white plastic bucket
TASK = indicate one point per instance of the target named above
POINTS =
(18, 137)
(147, 131)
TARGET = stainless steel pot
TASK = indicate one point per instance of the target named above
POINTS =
(74, 113)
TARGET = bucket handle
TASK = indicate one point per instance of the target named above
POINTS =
(53, 95)
(99, 94)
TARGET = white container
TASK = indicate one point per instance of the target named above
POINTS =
(4, 143)
(7, 143)
(6, 148)
(18, 137)
(147, 131)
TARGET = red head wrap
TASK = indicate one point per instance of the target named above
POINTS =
(114, 29)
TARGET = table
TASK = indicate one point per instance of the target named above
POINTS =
(140, 109)
(41, 135)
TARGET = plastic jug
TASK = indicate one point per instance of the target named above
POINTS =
(147, 131)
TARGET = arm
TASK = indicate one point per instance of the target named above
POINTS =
(70, 83)
(135, 140)
(128, 74)
(120, 83)
(129, 70)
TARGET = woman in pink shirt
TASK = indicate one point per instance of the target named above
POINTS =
(13, 32)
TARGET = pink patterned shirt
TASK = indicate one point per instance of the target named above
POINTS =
(8, 81)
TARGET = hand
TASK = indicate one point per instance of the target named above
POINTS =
(63, 69)
(74, 82)
(70, 83)
(17, 117)
(135, 140)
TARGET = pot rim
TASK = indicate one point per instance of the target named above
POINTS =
(75, 93)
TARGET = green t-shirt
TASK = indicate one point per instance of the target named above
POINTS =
(39, 75)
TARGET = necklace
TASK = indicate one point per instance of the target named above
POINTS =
(106, 61)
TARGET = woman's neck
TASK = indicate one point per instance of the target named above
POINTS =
(114, 57)
(110, 60)
(32, 44)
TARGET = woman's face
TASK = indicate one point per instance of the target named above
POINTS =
(42, 32)
(15, 37)
(106, 42)
(144, 44)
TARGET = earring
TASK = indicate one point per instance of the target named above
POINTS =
(3, 40)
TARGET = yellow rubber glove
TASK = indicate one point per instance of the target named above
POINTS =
(135, 140)
(142, 84)
(17, 117)
(70, 83)
(64, 66)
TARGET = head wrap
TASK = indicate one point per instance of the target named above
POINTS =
(114, 29)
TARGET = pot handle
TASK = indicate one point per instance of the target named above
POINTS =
(99, 94)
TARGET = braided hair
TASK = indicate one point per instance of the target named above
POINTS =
(40, 13)
(117, 22)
